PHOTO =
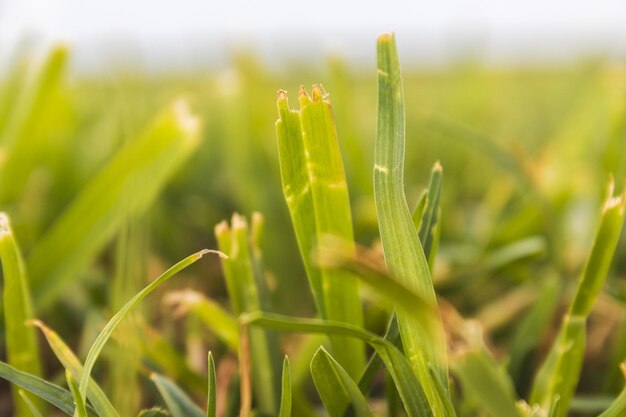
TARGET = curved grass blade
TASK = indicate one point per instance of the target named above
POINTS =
(21, 341)
(153, 412)
(315, 188)
(285, 399)
(410, 390)
(211, 389)
(401, 245)
(124, 188)
(559, 374)
(55, 395)
(105, 334)
(80, 410)
(177, 401)
(70, 362)
(336, 388)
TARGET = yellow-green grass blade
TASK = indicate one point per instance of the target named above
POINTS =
(559, 373)
(246, 285)
(178, 403)
(22, 136)
(124, 188)
(315, 188)
(215, 317)
(71, 363)
(80, 409)
(285, 398)
(153, 412)
(618, 406)
(410, 390)
(486, 383)
(403, 251)
(30, 404)
(336, 388)
(21, 341)
(105, 334)
(211, 388)
(53, 394)
(429, 221)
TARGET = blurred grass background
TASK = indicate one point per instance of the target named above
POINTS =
(526, 151)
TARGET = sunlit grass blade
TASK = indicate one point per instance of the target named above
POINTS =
(218, 320)
(80, 410)
(53, 394)
(124, 188)
(559, 374)
(316, 192)
(70, 362)
(403, 251)
(246, 285)
(211, 388)
(177, 401)
(485, 383)
(105, 334)
(410, 390)
(21, 341)
(336, 388)
(30, 404)
(285, 398)
(153, 412)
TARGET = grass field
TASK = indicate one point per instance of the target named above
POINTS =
(438, 242)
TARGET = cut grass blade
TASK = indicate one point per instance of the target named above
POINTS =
(177, 401)
(246, 286)
(401, 245)
(55, 395)
(410, 390)
(70, 362)
(559, 374)
(316, 192)
(285, 399)
(336, 388)
(126, 187)
(21, 341)
(105, 334)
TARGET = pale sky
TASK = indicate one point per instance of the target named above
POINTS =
(433, 29)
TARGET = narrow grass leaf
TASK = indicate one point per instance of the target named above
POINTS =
(153, 412)
(285, 399)
(80, 410)
(105, 334)
(211, 388)
(316, 191)
(30, 404)
(124, 188)
(21, 340)
(70, 362)
(177, 401)
(401, 245)
(336, 388)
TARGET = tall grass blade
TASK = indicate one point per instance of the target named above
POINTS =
(211, 389)
(401, 246)
(559, 374)
(80, 410)
(336, 388)
(21, 341)
(124, 188)
(177, 401)
(285, 399)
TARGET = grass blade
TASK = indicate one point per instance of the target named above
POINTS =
(559, 374)
(401, 245)
(21, 341)
(336, 388)
(211, 389)
(80, 410)
(177, 401)
(429, 219)
(105, 334)
(153, 412)
(70, 362)
(285, 399)
(124, 188)
(30, 404)
(315, 188)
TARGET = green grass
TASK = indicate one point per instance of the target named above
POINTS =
(355, 283)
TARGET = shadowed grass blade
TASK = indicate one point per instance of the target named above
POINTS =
(401, 245)
(21, 341)
(335, 387)
(177, 401)
(315, 188)
(126, 187)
